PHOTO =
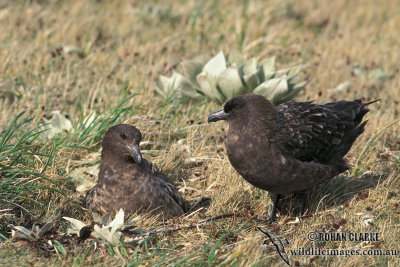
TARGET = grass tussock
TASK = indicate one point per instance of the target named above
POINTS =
(96, 62)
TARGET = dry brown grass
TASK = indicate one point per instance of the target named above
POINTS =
(125, 45)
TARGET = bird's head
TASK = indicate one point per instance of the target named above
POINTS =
(244, 107)
(123, 140)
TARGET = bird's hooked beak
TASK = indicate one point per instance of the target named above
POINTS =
(218, 115)
(134, 151)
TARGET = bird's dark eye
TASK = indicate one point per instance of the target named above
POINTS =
(232, 106)
(123, 136)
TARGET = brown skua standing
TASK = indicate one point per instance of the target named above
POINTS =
(292, 147)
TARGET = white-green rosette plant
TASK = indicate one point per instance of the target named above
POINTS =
(223, 77)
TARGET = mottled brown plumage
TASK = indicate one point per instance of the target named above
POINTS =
(292, 147)
(128, 181)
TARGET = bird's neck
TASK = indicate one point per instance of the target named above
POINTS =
(256, 126)
(115, 157)
(111, 165)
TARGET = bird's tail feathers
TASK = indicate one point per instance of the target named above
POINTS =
(350, 138)
(340, 165)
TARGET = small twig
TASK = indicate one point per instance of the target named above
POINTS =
(5, 210)
(191, 226)
(193, 212)
(16, 205)
(181, 227)
(196, 203)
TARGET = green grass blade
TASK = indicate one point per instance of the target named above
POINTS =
(370, 143)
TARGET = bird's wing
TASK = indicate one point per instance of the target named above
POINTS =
(175, 195)
(148, 166)
(312, 132)
(152, 168)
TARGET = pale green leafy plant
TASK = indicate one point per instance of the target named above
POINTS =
(106, 229)
(57, 124)
(36, 233)
(223, 77)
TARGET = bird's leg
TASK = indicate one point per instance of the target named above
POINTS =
(302, 197)
(272, 215)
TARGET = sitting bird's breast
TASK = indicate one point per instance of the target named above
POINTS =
(135, 189)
